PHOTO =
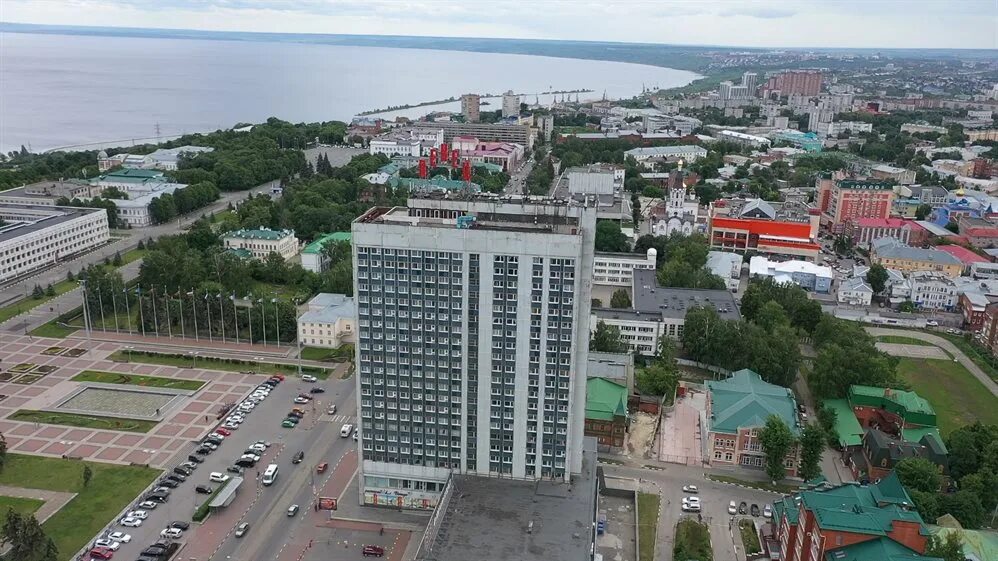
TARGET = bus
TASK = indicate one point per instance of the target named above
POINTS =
(270, 476)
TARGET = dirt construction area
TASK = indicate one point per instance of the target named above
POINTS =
(679, 438)
(641, 437)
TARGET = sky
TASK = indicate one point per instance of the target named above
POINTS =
(748, 23)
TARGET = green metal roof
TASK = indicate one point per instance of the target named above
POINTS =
(133, 173)
(870, 509)
(914, 408)
(239, 252)
(745, 400)
(786, 505)
(259, 234)
(977, 544)
(881, 549)
(917, 434)
(846, 426)
(605, 399)
(438, 182)
(317, 245)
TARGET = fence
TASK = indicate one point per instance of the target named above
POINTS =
(717, 370)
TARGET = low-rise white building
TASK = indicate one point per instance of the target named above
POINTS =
(855, 291)
(727, 265)
(413, 142)
(743, 139)
(329, 322)
(35, 237)
(687, 153)
(594, 180)
(617, 269)
(313, 255)
(835, 128)
(807, 275)
(933, 291)
(262, 242)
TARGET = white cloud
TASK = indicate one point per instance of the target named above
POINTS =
(751, 23)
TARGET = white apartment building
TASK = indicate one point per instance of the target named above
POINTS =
(835, 128)
(261, 242)
(33, 237)
(413, 142)
(688, 153)
(473, 324)
(933, 291)
(329, 321)
(510, 104)
(743, 139)
(391, 148)
(614, 271)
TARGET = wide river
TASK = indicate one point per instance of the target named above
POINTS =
(62, 90)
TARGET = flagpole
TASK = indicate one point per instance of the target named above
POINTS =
(142, 314)
(208, 305)
(250, 314)
(155, 313)
(221, 314)
(114, 306)
(277, 322)
(128, 312)
(194, 312)
(263, 317)
(169, 315)
(100, 304)
(183, 330)
(235, 316)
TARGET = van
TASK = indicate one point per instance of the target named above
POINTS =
(270, 475)
(346, 430)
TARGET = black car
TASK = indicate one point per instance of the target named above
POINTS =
(305, 396)
(298, 457)
(755, 510)
(234, 469)
(181, 471)
(203, 451)
(195, 459)
(214, 440)
(148, 558)
(179, 478)
(245, 463)
(743, 508)
(316, 389)
(154, 551)
(180, 525)
(168, 483)
(203, 489)
(156, 497)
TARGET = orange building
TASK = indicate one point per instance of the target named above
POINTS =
(764, 227)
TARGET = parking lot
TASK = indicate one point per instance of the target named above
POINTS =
(262, 423)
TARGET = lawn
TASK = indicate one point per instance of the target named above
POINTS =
(137, 380)
(315, 353)
(214, 363)
(133, 255)
(111, 488)
(764, 485)
(750, 539)
(897, 339)
(85, 421)
(29, 303)
(53, 330)
(20, 505)
(692, 541)
(648, 508)
(958, 398)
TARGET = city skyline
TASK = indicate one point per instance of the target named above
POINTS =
(760, 24)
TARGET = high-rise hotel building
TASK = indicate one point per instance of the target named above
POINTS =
(473, 327)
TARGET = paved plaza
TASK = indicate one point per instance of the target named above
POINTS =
(120, 402)
(913, 351)
(182, 424)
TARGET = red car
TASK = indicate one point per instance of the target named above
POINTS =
(101, 553)
(278, 377)
(223, 431)
(373, 551)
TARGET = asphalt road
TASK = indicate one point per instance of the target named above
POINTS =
(270, 526)
(263, 423)
(518, 179)
(130, 240)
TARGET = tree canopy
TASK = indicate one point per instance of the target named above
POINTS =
(777, 441)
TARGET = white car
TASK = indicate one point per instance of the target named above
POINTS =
(299, 400)
(148, 505)
(254, 457)
(172, 533)
(119, 537)
(210, 445)
(140, 514)
(691, 500)
(768, 511)
(246, 406)
(108, 543)
(231, 426)
(332, 409)
(263, 443)
(130, 522)
(732, 508)
(258, 447)
(932, 323)
(218, 477)
(162, 491)
(690, 489)
(217, 435)
(308, 378)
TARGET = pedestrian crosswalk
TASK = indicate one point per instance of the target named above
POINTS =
(338, 418)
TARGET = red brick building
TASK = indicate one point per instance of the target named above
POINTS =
(847, 201)
(804, 82)
(849, 522)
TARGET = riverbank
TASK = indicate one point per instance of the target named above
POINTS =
(452, 99)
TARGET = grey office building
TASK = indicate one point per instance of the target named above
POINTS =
(473, 322)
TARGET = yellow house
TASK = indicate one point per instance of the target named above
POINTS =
(893, 254)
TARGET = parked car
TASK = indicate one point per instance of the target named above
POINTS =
(154, 551)
(732, 508)
(321, 468)
(743, 508)
(292, 510)
(218, 477)
(130, 522)
(755, 509)
(305, 396)
(332, 409)
(373, 551)
(252, 455)
(176, 477)
(195, 459)
(300, 400)
(234, 469)
(297, 459)
(345, 430)
(257, 447)
(158, 497)
(242, 529)
(203, 489)
(161, 490)
(223, 432)
(140, 514)
(148, 505)
(690, 489)
(101, 553)
(931, 323)
(209, 444)
(768, 511)
(263, 443)
(171, 533)
(180, 470)
(308, 378)
(292, 419)
(166, 483)
(288, 424)
(317, 389)
(108, 543)
(180, 524)
(203, 451)
(120, 537)
(245, 462)
(190, 466)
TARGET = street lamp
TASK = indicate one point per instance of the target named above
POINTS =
(128, 352)
(194, 356)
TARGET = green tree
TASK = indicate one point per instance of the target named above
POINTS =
(949, 548)
(610, 238)
(983, 484)
(87, 475)
(965, 507)
(142, 244)
(3, 452)
(923, 211)
(927, 504)
(37, 292)
(812, 444)
(907, 307)
(772, 315)
(49, 290)
(918, 473)
(69, 276)
(607, 339)
(657, 379)
(842, 244)
(117, 259)
(620, 299)
(877, 277)
(777, 441)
